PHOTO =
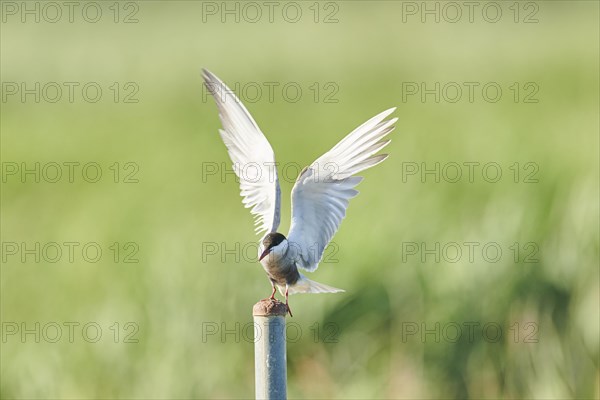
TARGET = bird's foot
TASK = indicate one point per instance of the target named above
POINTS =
(272, 295)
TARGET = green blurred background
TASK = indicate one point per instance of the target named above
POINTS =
(175, 323)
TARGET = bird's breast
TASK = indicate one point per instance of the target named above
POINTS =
(281, 271)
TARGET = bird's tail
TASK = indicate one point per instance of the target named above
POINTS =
(305, 285)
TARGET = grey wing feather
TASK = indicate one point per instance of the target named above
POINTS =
(252, 156)
(323, 190)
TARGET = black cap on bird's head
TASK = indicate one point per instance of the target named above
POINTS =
(270, 241)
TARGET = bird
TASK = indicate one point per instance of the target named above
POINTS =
(320, 195)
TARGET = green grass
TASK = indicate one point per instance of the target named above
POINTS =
(361, 348)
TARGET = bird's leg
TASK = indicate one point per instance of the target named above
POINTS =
(286, 301)
(272, 294)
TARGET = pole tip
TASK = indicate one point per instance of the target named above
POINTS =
(269, 308)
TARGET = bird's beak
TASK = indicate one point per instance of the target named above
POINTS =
(264, 254)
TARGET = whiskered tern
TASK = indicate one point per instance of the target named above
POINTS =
(320, 195)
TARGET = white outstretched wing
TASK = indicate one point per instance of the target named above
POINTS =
(251, 154)
(322, 191)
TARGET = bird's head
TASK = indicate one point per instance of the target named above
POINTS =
(275, 244)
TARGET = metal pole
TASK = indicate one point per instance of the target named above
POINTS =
(270, 369)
